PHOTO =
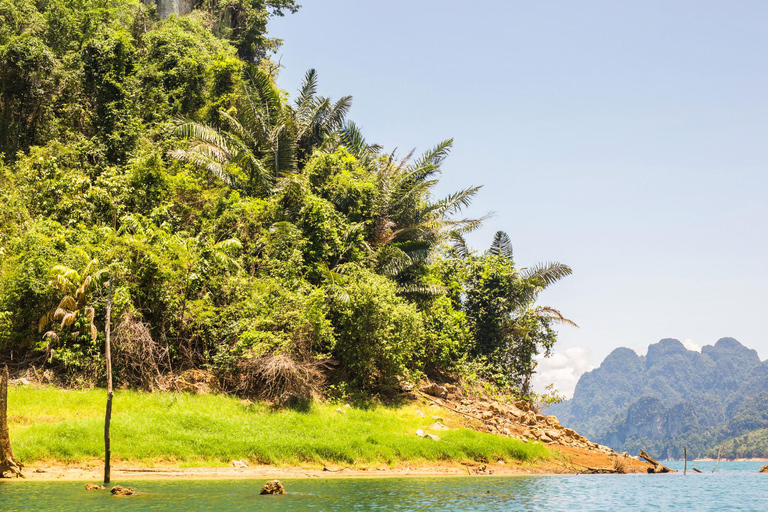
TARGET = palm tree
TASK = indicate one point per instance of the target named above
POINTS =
(73, 311)
(408, 225)
(265, 138)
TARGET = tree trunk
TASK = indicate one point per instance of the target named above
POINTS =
(108, 417)
(7, 461)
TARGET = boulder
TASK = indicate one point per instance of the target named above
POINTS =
(273, 487)
(119, 490)
(93, 487)
(435, 390)
(240, 463)
(438, 426)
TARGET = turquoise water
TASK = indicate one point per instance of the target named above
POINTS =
(735, 486)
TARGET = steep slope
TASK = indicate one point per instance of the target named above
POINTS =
(669, 399)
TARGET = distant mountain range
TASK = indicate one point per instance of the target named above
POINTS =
(673, 398)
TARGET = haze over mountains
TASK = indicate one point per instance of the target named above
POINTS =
(673, 398)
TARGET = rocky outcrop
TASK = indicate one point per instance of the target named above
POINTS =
(167, 7)
(273, 487)
(518, 419)
(119, 490)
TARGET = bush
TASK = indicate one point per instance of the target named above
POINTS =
(378, 333)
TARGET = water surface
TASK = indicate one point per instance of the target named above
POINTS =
(735, 486)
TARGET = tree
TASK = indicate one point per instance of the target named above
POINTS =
(264, 139)
(74, 312)
(500, 301)
(7, 461)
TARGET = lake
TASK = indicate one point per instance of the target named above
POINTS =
(735, 486)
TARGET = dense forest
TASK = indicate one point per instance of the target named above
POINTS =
(248, 233)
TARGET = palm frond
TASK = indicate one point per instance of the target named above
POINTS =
(548, 273)
(459, 245)
(554, 315)
(308, 89)
(501, 245)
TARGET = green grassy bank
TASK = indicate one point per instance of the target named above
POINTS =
(209, 430)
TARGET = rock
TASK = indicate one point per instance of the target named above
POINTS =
(482, 406)
(438, 426)
(487, 415)
(764, 469)
(341, 411)
(438, 418)
(432, 437)
(93, 487)
(119, 490)
(450, 388)
(420, 414)
(554, 434)
(273, 487)
(506, 431)
(240, 463)
(435, 390)
(19, 382)
(420, 433)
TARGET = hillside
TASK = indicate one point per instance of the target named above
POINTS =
(671, 398)
(151, 163)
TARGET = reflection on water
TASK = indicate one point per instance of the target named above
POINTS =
(735, 486)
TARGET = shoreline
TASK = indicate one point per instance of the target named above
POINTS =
(564, 461)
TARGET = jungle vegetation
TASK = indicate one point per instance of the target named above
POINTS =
(252, 234)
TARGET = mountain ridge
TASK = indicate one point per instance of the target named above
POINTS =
(671, 398)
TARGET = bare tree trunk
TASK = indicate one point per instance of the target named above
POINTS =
(108, 417)
(658, 467)
(7, 460)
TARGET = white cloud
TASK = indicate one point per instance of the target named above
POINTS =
(691, 345)
(563, 370)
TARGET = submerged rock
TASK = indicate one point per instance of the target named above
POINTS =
(273, 487)
(119, 490)
(93, 487)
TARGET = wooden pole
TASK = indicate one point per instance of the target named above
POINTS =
(718, 460)
(7, 461)
(685, 457)
(108, 417)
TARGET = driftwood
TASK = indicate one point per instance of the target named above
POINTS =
(718, 460)
(7, 461)
(696, 470)
(658, 467)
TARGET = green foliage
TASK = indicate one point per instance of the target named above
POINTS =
(377, 333)
(240, 227)
(509, 330)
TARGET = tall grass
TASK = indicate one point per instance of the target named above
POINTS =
(65, 425)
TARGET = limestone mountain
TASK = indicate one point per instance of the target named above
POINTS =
(671, 398)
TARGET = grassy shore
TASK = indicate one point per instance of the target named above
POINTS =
(51, 424)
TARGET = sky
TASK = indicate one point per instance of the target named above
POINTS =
(628, 140)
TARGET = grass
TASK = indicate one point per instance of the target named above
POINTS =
(54, 424)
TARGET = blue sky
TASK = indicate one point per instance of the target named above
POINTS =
(627, 139)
